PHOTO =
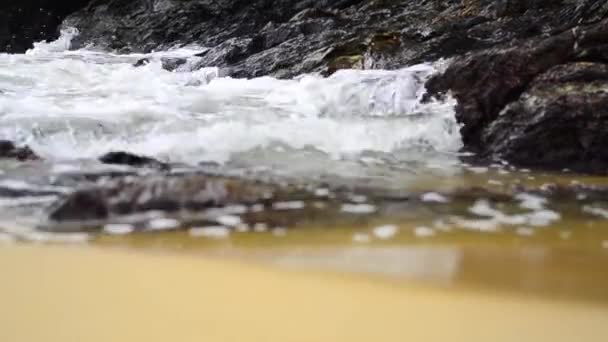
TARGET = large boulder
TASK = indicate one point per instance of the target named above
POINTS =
(560, 121)
(541, 103)
(23, 22)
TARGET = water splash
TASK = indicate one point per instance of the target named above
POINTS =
(80, 104)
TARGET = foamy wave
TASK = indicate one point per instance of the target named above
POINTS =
(79, 104)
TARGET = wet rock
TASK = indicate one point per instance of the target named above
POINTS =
(81, 206)
(141, 62)
(540, 104)
(125, 158)
(290, 37)
(131, 195)
(9, 150)
(172, 64)
(24, 22)
(560, 121)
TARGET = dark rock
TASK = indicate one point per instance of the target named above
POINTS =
(541, 103)
(9, 150)
(81, 206)
(130, 195)
(172, 64)
(483, 83)
(23, 22)
(289, 37)
(560, 121)
(125, 158)
(141, 62)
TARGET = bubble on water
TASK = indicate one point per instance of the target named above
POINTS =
(229, 220)
(292, 205)
(322, 192)
(358, 208)
(385, 232)
(596, 211)
(532, 202)
(496, 218)
(118, 229)
(163, 224)
(434, 197)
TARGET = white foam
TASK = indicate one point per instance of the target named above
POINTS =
(385, 232)
(80, 104)
(359, 208)
(118, 229)
(434, 197)
(292, 205)
(163, 224)
(492, 218)
(597, 211)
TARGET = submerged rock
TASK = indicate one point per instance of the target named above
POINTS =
(9, 150)
(131, 195)
(81, 206)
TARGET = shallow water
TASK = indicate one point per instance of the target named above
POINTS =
(393, 199)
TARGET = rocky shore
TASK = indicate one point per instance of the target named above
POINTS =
(530, 77)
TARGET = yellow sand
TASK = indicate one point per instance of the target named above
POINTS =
(61, 294)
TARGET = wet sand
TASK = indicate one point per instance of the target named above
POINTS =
(62, 294)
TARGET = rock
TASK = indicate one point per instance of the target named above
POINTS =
(129, 195)
(289, 37)
(23, 22)
(560, 121)
(125, 158)
(81, 206)
(141, 62)
(540, 103)
(172, 64)
(9, 150)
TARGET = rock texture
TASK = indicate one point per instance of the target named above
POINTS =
(528, 75)
(541, 103)
(168, 193)
(289, 37)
